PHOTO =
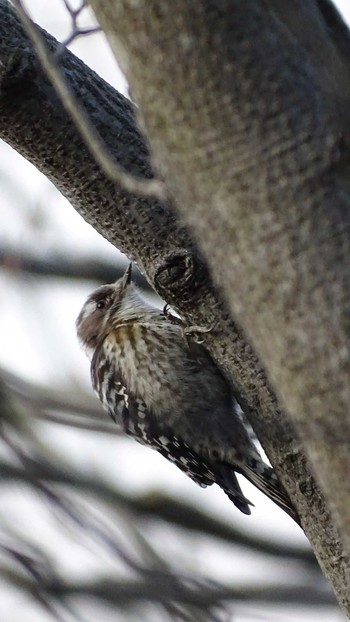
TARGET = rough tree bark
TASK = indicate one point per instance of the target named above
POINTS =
(249, 141)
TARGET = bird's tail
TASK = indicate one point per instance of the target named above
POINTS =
(227, 480)
(266, 480)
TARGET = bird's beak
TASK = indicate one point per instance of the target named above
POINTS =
(126, 278)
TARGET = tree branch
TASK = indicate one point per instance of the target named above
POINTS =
(122, 592)
(89, 268)
(147, 188)
(154, 506)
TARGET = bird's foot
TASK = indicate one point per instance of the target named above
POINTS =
(194, 331)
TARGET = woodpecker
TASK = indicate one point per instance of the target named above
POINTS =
(164, 389)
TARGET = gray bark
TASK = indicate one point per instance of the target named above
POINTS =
(248, 137)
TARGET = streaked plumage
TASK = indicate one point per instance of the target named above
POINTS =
(165, 390)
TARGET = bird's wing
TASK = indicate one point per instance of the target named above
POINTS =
(139, 422)
(132, 414)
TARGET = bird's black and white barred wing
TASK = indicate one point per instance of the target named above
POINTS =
(132, 415)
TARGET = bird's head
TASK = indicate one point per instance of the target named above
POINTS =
(104, 308)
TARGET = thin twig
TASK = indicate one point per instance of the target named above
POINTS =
(146, 188)
(80, 32)
(157, 506)
(63, 265)
(122, 592)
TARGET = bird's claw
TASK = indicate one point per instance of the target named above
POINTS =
(193, 331)
(188, 331)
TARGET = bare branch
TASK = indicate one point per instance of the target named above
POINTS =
(153, 506)
(122, 592)
(89, 268)
(151, 188)
(76, 30)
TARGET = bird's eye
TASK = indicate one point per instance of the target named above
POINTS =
(101, 304)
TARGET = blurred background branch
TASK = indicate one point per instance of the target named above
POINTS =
(54, 265)
(93, 512)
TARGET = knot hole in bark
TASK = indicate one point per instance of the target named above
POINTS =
(21, 68)
(181, 273)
